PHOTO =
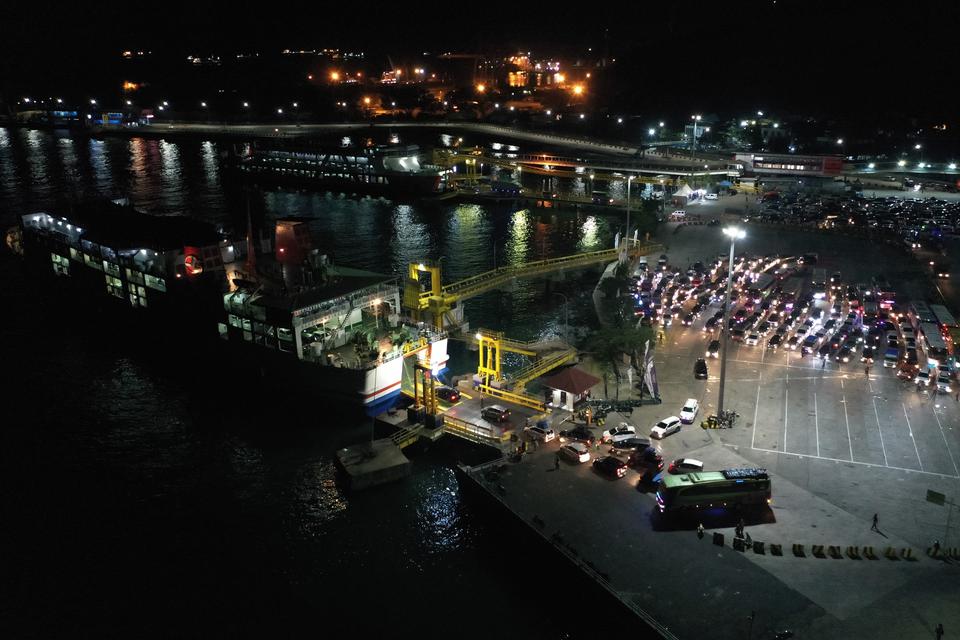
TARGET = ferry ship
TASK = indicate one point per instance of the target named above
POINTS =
(374, 169)
(107, 255)
(333, 329)
(282, 308)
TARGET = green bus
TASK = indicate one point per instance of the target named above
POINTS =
(705, 489)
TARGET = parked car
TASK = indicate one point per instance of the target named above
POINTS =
(646, 461)
(774, 342)
(700, 369)
(579, 433)
(922, 378)
(752, 340)
(713, 350)
(448, 394)
(711, 196)
(539, 433)
(685, 465)
(689, 411)
(629, 444)
(575, 452)
(621, 432)
(495, 412)
(610, 466)
(665, 427)
(943, 383)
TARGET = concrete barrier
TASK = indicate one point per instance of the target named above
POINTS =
(718, 539)
(798, 551)
(869, 554)
(834, 552)
(890, 554)
(817, 550)
(853, 553)
(758, 547)
(907, 554)
(738, 544)
(776, 550)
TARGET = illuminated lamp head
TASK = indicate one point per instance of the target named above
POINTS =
(193, 265)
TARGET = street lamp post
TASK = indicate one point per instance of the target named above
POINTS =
(734, 234)
(626, 238)
(693, 144)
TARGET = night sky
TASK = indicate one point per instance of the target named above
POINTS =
(790, 55)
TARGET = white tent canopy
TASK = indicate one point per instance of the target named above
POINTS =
(683, 191)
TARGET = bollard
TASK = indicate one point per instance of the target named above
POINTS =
(869, 554)
(758, 547)
(798, 551)
(817, 550)
(834, 552)
(718, 539)
(738, 544)
(907, 553)
(776, 550)
(890, 554)
(853, 553)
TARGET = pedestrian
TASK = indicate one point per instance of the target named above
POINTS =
(939, 631)
(556, 462)
(700, 531)
(936, 547)
(873, 527)
(481, 401)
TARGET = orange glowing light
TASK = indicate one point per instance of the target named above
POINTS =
(481, 88)
(335, 76)
(130, 86)
(366, 100)
(309, 76)
(578, 89)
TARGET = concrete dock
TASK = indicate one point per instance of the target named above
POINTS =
(674, 581)
(372, 463)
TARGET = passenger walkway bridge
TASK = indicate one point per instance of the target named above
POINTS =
(426, 299)
(660, 170)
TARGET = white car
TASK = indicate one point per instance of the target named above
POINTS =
(665, 427)
(575, 452)
(711, 196)
(621, 432)
(752, 340)
(689, 411)
(923, 377)
(539, 433)
(943, 383)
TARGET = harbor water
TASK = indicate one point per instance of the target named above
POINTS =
(157, 493)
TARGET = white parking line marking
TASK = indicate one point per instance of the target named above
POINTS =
(816, 422)
(756, 408)
(945, 441)
(910, 429)
(865, 464)
(786, 403)
(843, 401)
(879, 430)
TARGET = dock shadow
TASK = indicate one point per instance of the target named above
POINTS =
(713, 518)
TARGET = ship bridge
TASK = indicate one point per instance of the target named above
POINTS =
(426, 299)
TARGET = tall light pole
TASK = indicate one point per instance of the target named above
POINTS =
(626, 251)
(566, 326)
(734, 233)
(693, 145)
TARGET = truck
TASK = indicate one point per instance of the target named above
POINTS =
(891, 358)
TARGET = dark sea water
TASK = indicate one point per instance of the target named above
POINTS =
(153, 492)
